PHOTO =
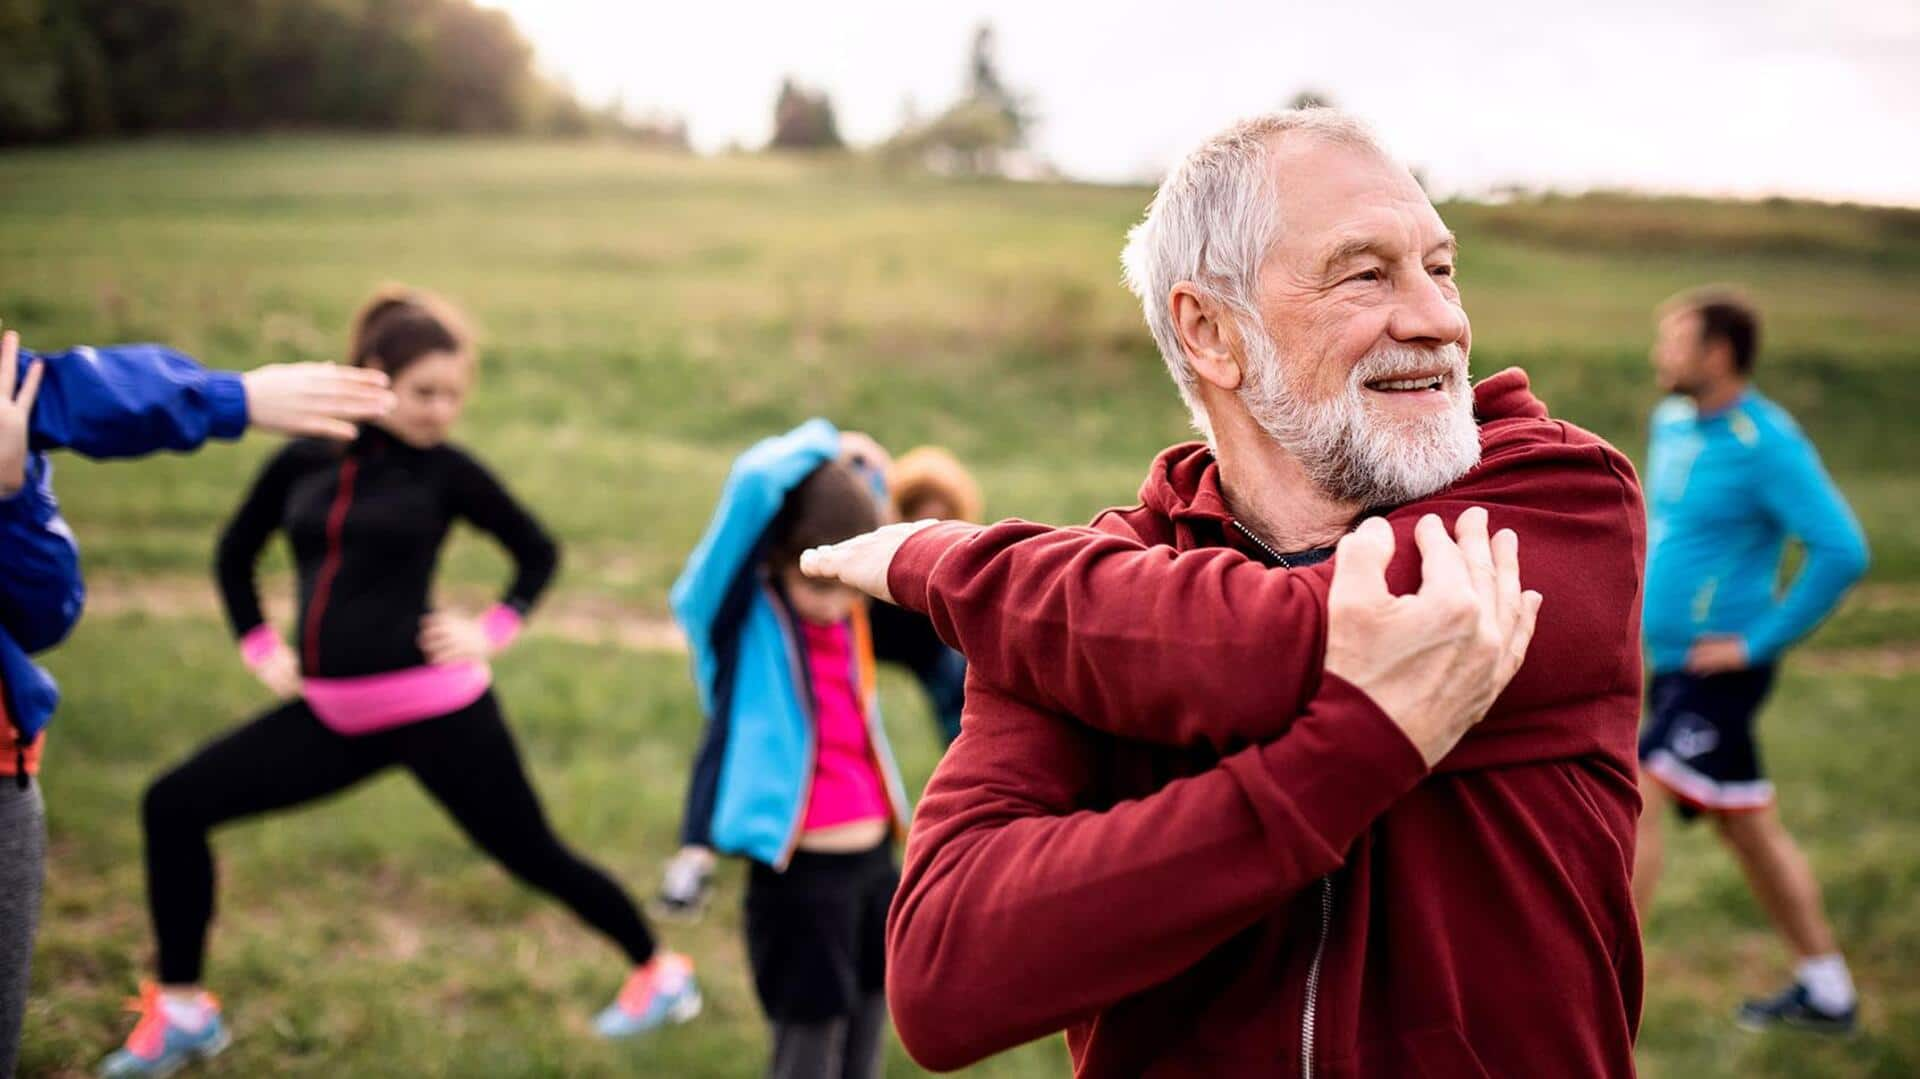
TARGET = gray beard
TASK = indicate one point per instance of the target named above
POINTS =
(1347, 451)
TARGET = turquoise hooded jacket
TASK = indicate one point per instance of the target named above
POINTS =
(754, 769)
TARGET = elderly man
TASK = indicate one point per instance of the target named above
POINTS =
(1162, 827)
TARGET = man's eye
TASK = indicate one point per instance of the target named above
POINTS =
(1441, 271)
(1366, 275)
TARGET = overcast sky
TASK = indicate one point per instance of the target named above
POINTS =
(1796, 97)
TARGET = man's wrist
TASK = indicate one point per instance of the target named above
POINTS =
(227, 396)
(911, 571)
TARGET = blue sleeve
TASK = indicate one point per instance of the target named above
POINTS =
(131, 400)
(1796, 492)
(755, 489)
(40, 588)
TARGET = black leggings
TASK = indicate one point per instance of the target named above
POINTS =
(287, 757)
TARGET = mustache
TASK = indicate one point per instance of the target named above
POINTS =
(1402, 361)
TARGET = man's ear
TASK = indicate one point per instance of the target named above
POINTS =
(1208, 334)
(1716, 357)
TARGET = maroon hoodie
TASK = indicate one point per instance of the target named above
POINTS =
(1164, 830)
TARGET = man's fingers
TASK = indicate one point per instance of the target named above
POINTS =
(323, 377)
(320, 427)
(1360, 564)
(1506, 575)
(1441, 566)
(30, 389)
(355, 401)
(1530, 602)
(821, 562)
(362, 376)
(1470, 532)
(9, 361)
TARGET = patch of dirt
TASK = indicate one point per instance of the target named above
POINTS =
(597, 620)
(1882, 661)
(580, 619)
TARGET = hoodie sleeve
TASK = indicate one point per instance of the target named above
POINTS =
(40, 588)
(132, 400)
(1021, 911)
(1211, 647)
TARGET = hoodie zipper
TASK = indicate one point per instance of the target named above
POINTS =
(1309, 1012)
(336, 522)
(1310, 1008)
(1285, 563)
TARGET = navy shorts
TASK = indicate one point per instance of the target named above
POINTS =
(1698, 739)
(817, 933)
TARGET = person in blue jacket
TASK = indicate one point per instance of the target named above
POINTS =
(103, 403)
(1730, 478)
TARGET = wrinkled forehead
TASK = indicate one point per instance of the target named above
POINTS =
(1332, 197)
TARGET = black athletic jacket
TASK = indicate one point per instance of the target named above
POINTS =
(366, 523)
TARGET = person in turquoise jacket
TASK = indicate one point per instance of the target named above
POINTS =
(1730, 479)
(747, 792)
(794, 772)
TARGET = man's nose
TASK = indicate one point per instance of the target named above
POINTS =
(1427, 316)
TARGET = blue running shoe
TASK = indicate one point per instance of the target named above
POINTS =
(1794, 1007)
(157, 1047)
(659, 993)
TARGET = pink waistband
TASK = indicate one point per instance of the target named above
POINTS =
(376, 702)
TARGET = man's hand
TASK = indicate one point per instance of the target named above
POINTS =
(322, 400)
(1433, 661)
(454, 638)
(1717, 655)
(862, 561)
(16, 413)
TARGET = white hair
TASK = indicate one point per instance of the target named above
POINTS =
(1212, 222)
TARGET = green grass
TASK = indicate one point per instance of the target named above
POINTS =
(646, 317)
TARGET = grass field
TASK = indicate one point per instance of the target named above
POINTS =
(644, 318)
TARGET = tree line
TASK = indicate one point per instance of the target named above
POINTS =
(93, 68)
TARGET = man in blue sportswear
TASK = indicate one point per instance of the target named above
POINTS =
(1730, 478)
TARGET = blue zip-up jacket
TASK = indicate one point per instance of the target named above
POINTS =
(123, 401)
(1724, 493)
(751, 777)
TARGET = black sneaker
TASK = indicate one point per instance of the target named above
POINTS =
(685, 888)
(1793, 1008)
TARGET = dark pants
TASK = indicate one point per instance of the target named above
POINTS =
(848, 1047)
(23, 858)
(816, 940)
(466, 760)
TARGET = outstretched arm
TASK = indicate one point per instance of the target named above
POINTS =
(133, 400)
(1210, 647)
